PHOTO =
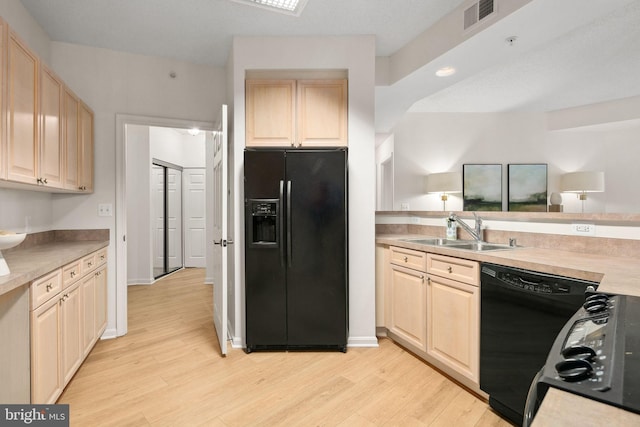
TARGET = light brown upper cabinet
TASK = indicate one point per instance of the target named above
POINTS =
(22, 112)
(71, 140)
(86, 148)
(51, 147)
(296, 113)
(46, 137)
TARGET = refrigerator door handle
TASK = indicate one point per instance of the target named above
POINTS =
(289, 249)
(281, 225)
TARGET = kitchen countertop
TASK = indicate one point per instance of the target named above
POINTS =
(32, 262)
(616, 275)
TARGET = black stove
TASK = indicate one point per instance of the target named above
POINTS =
(597, 354)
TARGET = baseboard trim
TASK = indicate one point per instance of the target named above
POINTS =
(362, 342)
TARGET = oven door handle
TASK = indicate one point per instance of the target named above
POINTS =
(532, 403)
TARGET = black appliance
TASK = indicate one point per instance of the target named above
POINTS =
(296, 249)
(521, 313)
(595, 355)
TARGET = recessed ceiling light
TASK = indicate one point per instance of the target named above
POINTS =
(291, 7)
(194, 131)
(445, 72)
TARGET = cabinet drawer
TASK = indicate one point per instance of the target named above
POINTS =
(409, 258)
(101, 256)
(70, 273)
(44, 288)
(463, 270)
(88, 263)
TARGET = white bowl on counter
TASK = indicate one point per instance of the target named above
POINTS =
(8, 241)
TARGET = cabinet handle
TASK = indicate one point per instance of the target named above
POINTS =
(102, 256)
(73, 273)
(42, 181)
(90, 263)
(422, 278)
(49, 286)
(406, 259)
(450, 269)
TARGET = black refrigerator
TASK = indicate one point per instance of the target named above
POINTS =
(296, 265)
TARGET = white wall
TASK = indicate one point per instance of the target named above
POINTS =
(169, 145)
(357, 56)
(442, 142)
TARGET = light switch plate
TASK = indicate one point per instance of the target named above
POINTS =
(105, 209)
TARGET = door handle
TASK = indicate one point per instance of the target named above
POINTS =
(281, 225)
(289, 249)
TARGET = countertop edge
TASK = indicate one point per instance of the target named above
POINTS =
(65, 252)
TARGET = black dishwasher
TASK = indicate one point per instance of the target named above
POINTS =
(521, 313)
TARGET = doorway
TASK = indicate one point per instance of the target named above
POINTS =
(166, 206)
(125, 124)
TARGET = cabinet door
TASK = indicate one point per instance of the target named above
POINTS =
(382, 284)
(3, 98)
(71, 140)
(270, 113)
(88, 286)
(51, 149)
(101, 301)
(454, 325)
(46, 378)
(86, 148)
(322, 113)
(409, 305)
(22, 113)
(70, 332)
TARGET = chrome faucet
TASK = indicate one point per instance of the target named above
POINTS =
(477, 233)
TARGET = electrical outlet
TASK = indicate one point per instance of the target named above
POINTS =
(415, 220)
(105, 209)
(583, 229)
(404, 206)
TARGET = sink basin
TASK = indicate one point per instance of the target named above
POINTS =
(468, 245)
(434, 242)
(479, 246)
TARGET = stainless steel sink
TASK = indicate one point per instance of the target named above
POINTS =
(480, 246)
(437, 242)
(468, 245)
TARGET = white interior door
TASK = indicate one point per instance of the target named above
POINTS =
(157, 188)
(174, 218)
(219, 214)
(194, 218)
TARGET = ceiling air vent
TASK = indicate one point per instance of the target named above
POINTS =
(477, 12)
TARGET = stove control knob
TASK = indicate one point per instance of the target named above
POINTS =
(595, 303)
(574, 370)
(581, 352)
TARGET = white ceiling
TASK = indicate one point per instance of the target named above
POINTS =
(568, 52)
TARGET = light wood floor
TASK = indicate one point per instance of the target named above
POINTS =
(167, 371)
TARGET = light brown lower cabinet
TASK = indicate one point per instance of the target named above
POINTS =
(65, 324)
(453, 314)
(453, 323)
(408, 297)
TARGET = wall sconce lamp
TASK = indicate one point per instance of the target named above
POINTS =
(444, 183)
(582, 183)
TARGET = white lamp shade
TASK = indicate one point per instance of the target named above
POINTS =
(445, 182)
(582, 182)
